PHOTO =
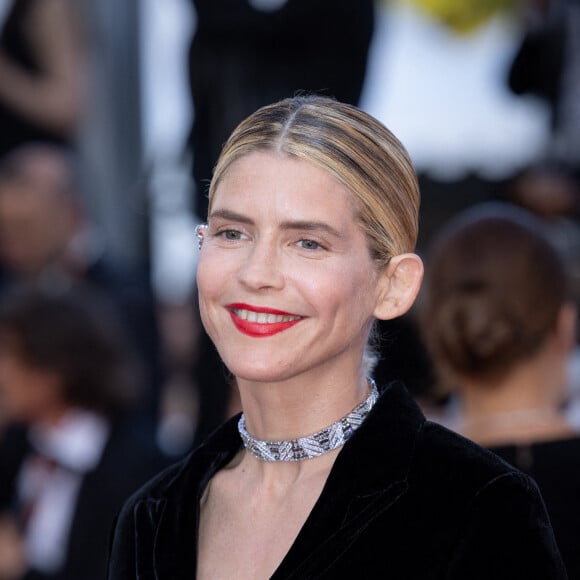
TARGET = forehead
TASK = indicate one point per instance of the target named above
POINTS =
(291, 184)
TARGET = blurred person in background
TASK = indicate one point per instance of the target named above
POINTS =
(47, 239)
(245, 54)
(73, 450)
(41, 72)
(499, 322)
(547, 65)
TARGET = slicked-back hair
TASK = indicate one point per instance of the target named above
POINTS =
(355, 148)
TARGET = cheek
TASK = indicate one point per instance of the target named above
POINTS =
(358, 279)
(216, 270)
(358, 295)
(210, 285)
(206, 275)
(342, 294)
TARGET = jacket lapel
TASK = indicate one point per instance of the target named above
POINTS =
(173, 520)
(367, 479)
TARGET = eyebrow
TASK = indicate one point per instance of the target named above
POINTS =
(304, 225)
(230, 216)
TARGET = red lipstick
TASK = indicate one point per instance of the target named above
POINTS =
(261, 321)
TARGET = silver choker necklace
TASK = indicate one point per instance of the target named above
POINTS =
(314, 445)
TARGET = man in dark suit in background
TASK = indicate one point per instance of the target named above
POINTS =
(72, 450)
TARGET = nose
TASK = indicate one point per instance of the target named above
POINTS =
(261, 267)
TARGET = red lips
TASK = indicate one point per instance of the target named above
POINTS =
(261, 321)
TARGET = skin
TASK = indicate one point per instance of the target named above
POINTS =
(29, 394)
(283, 235)
(37, 221)
(12, 556)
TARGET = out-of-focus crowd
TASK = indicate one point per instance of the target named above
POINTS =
(102, 384)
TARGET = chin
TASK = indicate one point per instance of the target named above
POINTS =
(263, 373)
(258, 363)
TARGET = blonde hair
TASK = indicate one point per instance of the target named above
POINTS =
(353, 147)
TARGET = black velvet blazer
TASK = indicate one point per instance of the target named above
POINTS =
(405, 499)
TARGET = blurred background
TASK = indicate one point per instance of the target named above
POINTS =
(141, 95)
(484, 95)
(113, 113)
(437, 75)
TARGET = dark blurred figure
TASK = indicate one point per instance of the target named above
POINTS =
(246, 54)
(41, 72)
(500, 325)
(73, 451)
(547, 65)
(46, 239)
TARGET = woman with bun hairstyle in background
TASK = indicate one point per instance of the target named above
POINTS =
(500, 325)
(312, 223)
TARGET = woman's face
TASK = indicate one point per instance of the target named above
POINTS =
(286, 282)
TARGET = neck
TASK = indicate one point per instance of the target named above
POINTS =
(300, 406)
(278, 477)
(291, 410)
(523, 406)
(314, 445)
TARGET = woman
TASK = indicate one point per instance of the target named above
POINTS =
(312, 222)
(500, 325)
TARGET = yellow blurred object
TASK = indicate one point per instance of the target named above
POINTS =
(462, 16)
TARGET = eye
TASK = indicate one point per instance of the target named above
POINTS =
(310, 245)
(230, 235)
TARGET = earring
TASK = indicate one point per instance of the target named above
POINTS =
(200, 232)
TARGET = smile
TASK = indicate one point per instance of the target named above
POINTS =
(261, 322)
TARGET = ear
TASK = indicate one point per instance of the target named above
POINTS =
(398, 286)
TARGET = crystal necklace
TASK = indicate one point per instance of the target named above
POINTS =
(313, 445)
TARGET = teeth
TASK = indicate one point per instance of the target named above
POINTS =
(263, 317)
